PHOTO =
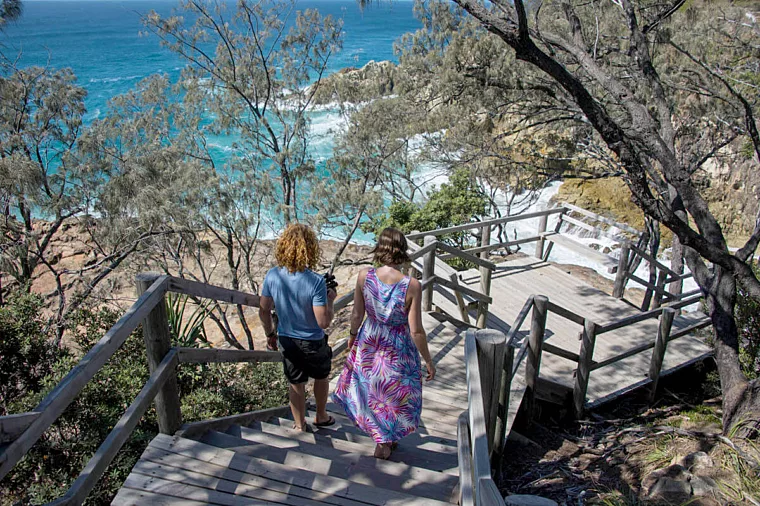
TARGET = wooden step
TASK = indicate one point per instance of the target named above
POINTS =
(368, 470)
(207, 459)
(428, 426)
(407, 452)
(324, 446)
(356, 435)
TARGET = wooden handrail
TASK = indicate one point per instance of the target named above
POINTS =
(198, 289)
(463, 289)
(565, 313)
(499, 245)
(464, 455)
(12, 426)
(480, 224)
(521, 316)
(420, 251)
(653, 313)
(106, 452)
(217, 355)
(649, 258)
(597, 217)
(72, 384)
(465, 256)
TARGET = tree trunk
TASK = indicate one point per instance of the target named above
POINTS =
(741, 399)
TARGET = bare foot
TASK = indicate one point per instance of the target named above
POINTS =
(383, 451)
(301, 428)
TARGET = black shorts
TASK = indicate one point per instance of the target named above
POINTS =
(303, 359)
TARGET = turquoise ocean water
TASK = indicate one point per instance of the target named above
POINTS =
(101, 42)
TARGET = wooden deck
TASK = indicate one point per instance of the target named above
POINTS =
(522, 276)
(270, 463)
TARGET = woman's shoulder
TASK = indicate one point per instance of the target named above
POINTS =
(414, 284)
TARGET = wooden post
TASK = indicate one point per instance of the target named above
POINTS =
(541, 229)
(588, 338)
(485, 278)
(557, 228)
(428, 271)
(505, 389)
(491, 345)
(621, 277)
(657, 300)
(660, 344)
(157, 344)
(535, 345)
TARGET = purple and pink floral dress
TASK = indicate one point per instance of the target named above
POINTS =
(380, 387)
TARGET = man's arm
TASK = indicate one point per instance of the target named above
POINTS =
(266, 304)
(324, 314)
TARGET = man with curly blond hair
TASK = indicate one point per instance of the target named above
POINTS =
(304, 309)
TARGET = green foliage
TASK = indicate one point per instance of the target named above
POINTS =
(207, 390)
(27, 356)
(190, 333)
(747, 315)
(460, 200)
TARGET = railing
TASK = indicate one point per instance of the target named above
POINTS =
(21, 431)
(493, 361)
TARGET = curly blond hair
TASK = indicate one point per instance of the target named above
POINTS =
(297, 248)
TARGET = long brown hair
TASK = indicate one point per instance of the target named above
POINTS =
(391, 248)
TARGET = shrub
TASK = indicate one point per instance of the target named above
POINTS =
(207, 390)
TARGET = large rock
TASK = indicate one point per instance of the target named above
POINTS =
(676, 484)
(373, 80)
(528, 500)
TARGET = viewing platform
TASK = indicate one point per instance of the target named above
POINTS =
(503, 336)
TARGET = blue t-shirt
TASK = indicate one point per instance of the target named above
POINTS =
(294, 294)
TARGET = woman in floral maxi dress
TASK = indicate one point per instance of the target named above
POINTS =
(380, 388)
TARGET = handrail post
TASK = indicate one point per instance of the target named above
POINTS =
(660, 345)
(542, 221)
(505, 389)
(491, 346)
(622, 272)
(428, 271)
(582, 374)
(535, 346)
(157, 339)
(485, 277)
(658, 294)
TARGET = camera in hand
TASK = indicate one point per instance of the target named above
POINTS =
(330, 281)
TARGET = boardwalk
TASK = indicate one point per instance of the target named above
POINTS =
(521, 276)
(269, 463)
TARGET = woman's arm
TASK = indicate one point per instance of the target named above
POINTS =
(419, 336)
(357, 315)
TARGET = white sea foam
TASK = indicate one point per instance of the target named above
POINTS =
(115, 79)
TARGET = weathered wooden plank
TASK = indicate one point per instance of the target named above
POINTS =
(534, 347)
(586, 357)
(69, 387)
(215, 355)
(157, 485)
(477, 415)
(428, 272)
(621, 277)
(466, 256)
(602, 219)
(248, 484)
(565, 313)
(352, 489)
(421, 251)
(206, 291)
(498, 245)
(653, 313)
(197, 428)
(158, 341)
(479, 224)
(466, 490)
(343, 301)
(106, 452)
(610, 263)
(660, 345)
(131, 497)
(12, 426)
(560, 352)
(463, 289)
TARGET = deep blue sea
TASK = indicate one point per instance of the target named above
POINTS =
(101, 41)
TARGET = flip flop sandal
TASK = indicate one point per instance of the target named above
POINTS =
(330, 421)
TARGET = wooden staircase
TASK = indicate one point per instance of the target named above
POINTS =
(268, 462)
